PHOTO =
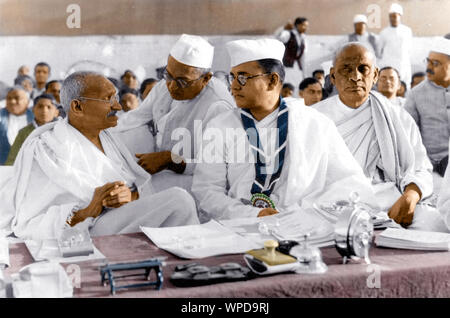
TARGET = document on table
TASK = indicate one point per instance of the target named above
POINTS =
(49, 250)
(285, 226)
(199, 241)
(416, 240)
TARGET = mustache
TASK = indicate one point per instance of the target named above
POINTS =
(111, 113)
(429, 71)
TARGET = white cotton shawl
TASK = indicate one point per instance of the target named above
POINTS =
(403, 155)
(73, 164)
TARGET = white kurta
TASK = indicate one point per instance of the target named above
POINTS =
(318, 167)
(411, 153)
(179, 124)
(58, 169)
(395, 50)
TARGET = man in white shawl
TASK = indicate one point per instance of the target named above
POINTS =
(270, 155)
(73, 172)
(383, 138)
(177, 110)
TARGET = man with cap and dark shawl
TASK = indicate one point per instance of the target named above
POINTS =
(383, 138)
(270, 155)
(177, 110)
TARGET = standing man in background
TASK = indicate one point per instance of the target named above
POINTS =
(361, 34)
(396, 44)
(41, 74)
(294, 39)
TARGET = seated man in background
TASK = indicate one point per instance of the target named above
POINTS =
(320, 76)
(129, 99)
(45, 110)
(54, 88)
(417, 78)
(23, 70)
(287, 90)
(13, 118)
(310, 90)
(388, 85)
(146, 87)
(42, 73)
(177, 110)
(402, 90)
(73, 171)
(129, 80)
(383, 138)
(270, 155)
(26, 82)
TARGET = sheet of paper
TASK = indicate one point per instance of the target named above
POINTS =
(285, 226)
(49, 250)
(199, 241)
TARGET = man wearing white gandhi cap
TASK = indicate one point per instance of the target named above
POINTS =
(396, 44)
(361, 34)
(177, 109)
(295, 166)
(429, 105)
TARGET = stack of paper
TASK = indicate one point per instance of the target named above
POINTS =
(49, 250)
(285, 226)
(415, 240)
(379, 219)
(198, 241)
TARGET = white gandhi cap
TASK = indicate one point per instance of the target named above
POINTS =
(193, 50)
(441, 45)
(360, 18)
(242, 51)
(396, 8)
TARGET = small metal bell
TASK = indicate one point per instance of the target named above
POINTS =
(309, 258)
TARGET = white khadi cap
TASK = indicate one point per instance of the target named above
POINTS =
(396, 8)
(359, 18)
(242, 51)
(193, 50)
(440, 45)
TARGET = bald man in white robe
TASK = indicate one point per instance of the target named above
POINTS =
(75, 173)
(383, 138)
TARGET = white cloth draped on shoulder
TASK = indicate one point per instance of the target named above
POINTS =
(386, 142)
(395, 143)
(318, 167)
(57, 170)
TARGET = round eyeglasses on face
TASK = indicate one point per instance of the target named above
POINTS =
(181, 83)
(241, 78)
(111, 101)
